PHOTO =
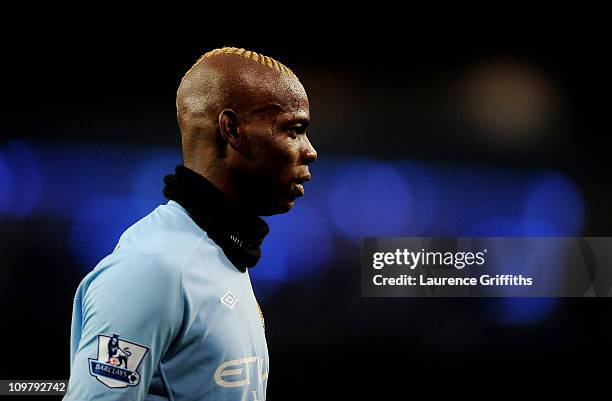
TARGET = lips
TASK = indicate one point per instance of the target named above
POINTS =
(298, 184)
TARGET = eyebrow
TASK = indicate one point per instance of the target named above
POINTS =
(268, 107)
(305, 121)
(299, 120)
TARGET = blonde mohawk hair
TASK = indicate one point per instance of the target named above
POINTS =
(258, 58)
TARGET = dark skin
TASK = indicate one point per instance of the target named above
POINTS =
(243, 127)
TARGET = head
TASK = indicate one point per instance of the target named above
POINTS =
(243, 119)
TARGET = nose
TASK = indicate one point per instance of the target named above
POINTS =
(309, 153)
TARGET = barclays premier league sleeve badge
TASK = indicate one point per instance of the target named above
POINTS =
(117, 362)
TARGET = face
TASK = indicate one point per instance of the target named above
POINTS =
(280, 153)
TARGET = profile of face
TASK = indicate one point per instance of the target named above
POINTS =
(243, 120)
(277, 152)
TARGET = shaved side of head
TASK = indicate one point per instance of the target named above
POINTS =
(227, 79)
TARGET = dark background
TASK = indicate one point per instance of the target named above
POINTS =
(85, 98)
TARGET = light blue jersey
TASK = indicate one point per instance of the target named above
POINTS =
(167, 316)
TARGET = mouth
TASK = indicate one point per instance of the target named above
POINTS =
(299, 184)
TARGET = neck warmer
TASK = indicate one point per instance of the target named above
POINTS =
(238, 233)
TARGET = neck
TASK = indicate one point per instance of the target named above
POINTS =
(237, 232)
(219, 177)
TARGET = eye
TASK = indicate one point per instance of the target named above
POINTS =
(293, 132)
(295, 129)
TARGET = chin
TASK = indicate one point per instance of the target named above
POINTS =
(279, 208)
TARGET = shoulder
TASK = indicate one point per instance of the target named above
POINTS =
(168, 231)
(133, 289)
(150, 254)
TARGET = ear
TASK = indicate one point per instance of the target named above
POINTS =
(228, 126)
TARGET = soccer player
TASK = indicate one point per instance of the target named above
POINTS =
(170, 314)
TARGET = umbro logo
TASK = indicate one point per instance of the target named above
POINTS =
(228, 299)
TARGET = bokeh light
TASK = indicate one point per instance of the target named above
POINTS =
(554, 206)
(76, 173)
(520, 311)
(26, 177)
(509, 102)
(424, 205)
(6, 186)
(148, 177)
(369, 199)
(97, 226)
(296, 248)
(470, 196)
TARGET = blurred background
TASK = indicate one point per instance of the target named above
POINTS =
(421, 131)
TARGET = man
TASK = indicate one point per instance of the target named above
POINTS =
(176, 291)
